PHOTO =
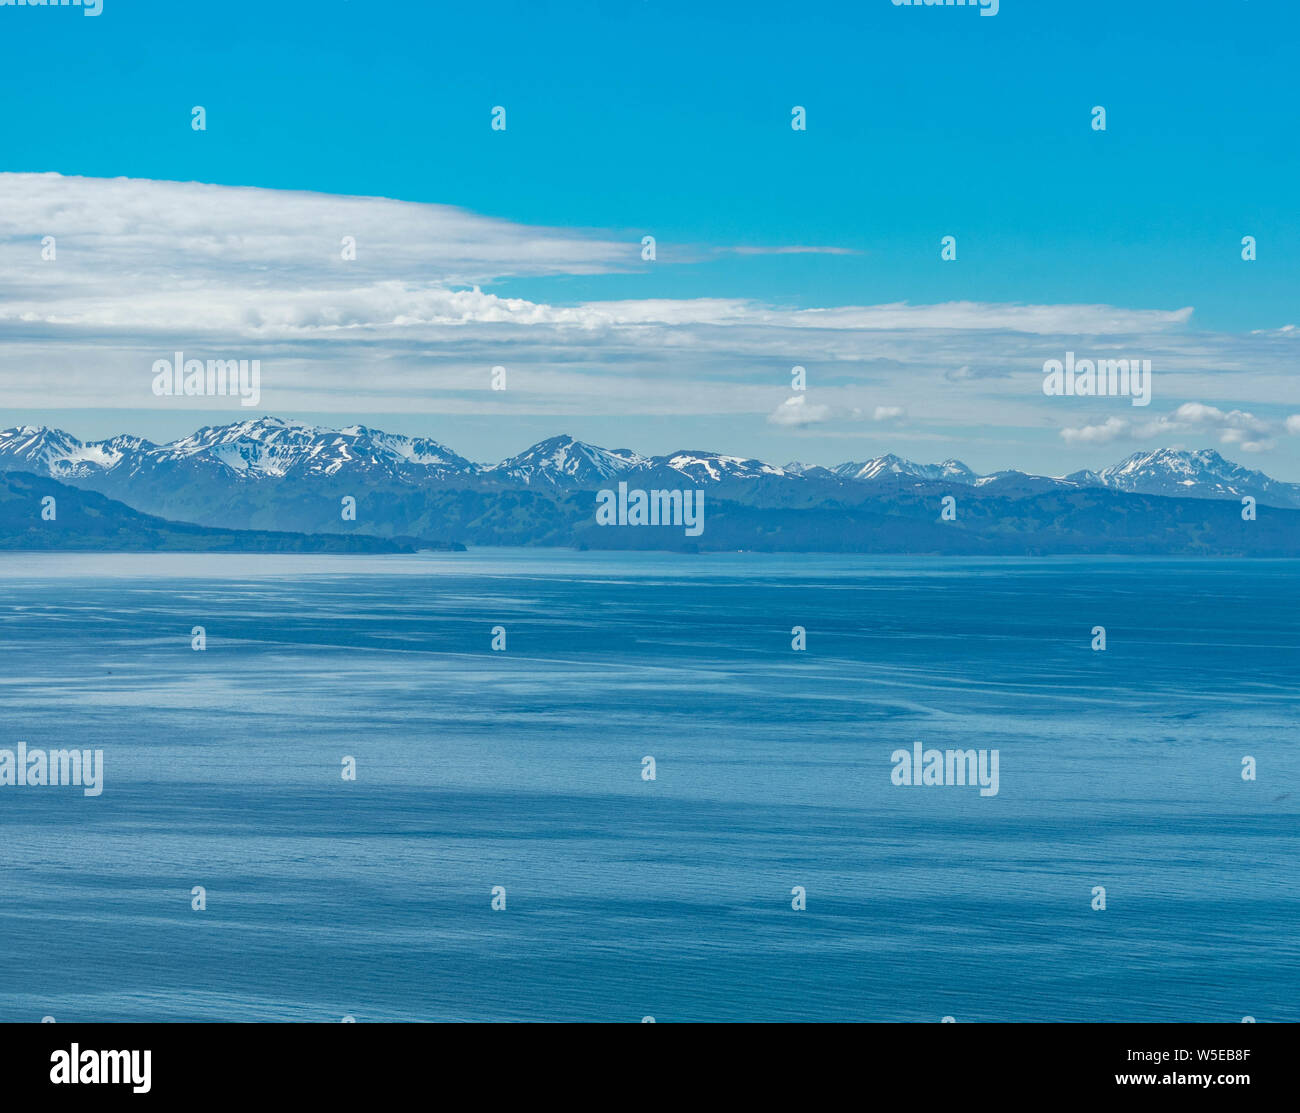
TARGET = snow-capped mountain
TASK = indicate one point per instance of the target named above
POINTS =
(268, 447)
(713, 467)
(811, 471)
(890, 465)
(560, 460)
(1202, 474)
(54, 453)
(260, 448)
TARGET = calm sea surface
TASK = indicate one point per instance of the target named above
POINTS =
(669, 898)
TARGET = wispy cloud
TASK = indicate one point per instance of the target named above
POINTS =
(797, 410)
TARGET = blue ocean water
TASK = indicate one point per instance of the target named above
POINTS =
(669, 898)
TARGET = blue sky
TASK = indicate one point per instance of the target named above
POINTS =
(673, 120)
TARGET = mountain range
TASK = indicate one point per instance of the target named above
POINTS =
(269, 474)
(269, 448)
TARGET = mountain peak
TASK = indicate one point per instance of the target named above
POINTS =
(561, 458)
(713, 467)
(1196, 473)
(891, 465)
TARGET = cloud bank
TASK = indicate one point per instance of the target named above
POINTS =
(142, 269)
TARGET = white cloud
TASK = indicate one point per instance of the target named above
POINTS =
(136, 254)
(1235, 428)
(1113, 428)
(795, 410)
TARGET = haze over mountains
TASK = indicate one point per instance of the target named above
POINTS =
(269, 448)
(90, 522)
(273, 475)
